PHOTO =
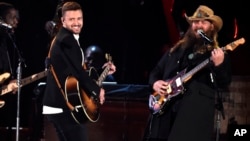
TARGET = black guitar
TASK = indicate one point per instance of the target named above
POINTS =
(175, 86)
(86, 106)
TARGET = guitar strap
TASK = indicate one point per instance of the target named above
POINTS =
(70, 106)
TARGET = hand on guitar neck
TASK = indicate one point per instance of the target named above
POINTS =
(109, 66)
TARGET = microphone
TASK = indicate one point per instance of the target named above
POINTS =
(5, 25)
(204, 36)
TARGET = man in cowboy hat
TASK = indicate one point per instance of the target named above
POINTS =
(189, 114)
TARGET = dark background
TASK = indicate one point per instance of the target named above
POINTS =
(135, 32)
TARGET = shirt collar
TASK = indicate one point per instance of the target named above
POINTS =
(76, 36)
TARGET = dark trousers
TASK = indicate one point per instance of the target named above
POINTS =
(67, 128)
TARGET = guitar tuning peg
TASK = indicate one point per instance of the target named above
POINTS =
(108, 57)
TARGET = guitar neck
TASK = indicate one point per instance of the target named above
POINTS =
(188, 75)
(103, 76)
(33, 78)
(26, 81)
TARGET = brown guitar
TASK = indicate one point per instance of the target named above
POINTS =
(86, 106)
(175, 86)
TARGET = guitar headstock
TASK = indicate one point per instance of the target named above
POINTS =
(108, 57)
(234, 44)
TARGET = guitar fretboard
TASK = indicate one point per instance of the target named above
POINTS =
(230, 46)
(26, 81)
(103, 76)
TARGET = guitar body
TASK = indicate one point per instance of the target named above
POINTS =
(173, 89)
(86, 106)
(2, 103)
(4, 76)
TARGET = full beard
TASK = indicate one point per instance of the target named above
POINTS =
(198, 44)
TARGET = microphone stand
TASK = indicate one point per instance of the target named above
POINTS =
(19, 76)
(218, 106)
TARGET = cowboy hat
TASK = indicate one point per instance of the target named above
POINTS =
(205, 13)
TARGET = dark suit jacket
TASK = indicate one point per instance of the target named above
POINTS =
(66, 59)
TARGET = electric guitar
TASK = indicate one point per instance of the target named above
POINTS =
(86, 106)
(175, 86)
(2, 103)
(25, 81)
(4, 76)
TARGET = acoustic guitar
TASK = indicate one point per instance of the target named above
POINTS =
(86, 106)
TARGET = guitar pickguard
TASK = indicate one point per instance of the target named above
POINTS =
(174, 88)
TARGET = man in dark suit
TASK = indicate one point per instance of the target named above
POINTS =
(66, 61)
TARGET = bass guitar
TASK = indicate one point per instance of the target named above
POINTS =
(4, 76)
(25, 81)
(175, 86)
(86, 106)
(2, 103)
